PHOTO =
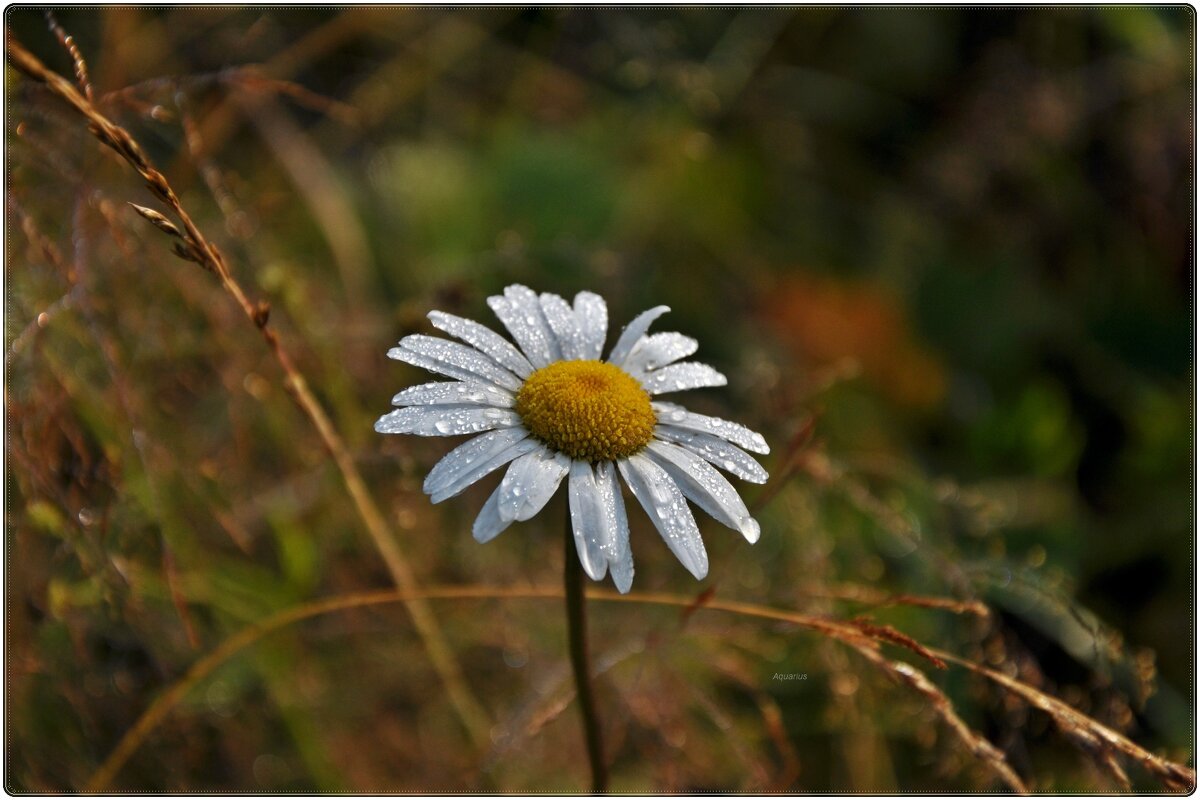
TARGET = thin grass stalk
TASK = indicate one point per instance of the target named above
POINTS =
(978, 746)
(192, 245)
(162, 705)
(1092, 735)
(1169, 772)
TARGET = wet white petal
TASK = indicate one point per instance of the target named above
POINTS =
(454, 360)
(446, 420)
(658, 350)
(462, 356)
(676, 417)
(704, 486)
(667, 508)
(598, 522)
(521, 312)
(634, 331)
(441, 393)
(489, 524)
(561, 319)
(680, 377)
(482, 468)
(592, 315)
(433, 365)
(485, 339)
(616, 546)
(530, 482)
(717, 452)
(465, 460)
(587, 519)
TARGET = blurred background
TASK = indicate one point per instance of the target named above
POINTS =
(945, 257)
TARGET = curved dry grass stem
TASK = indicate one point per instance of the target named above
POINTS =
(162, 705)
(1173, 775)
(870, 596)
(192, 245)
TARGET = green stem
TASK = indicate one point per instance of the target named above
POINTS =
(577, 641)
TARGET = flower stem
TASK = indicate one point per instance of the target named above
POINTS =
(577, 642)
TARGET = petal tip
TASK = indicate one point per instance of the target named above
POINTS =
(595, 571)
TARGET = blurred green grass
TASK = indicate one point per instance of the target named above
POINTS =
(957, 243)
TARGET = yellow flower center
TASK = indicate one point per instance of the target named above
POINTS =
(589, 410)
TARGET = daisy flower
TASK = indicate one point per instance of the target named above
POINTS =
(552, 410)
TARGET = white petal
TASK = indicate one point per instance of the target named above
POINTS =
(599, 523)
(676, 417)
(562, 322)
(440, 393)
(704, 486)
(453, 359)
(680, 377)
(530, 482)
(521, 312)
(433, 365)
(485, 339)
(620, 557)
(659, 349)
(634, 331)
(462, 356)
(718, 452)
(489, 524)
(481, 468)
(587, 520)
(592, 315)
(446, 420)
(464, 461)
(667, 508)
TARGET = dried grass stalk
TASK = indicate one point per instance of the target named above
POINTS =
(1093, 736)
(981, 748)
(68, 43)
(193, 245)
